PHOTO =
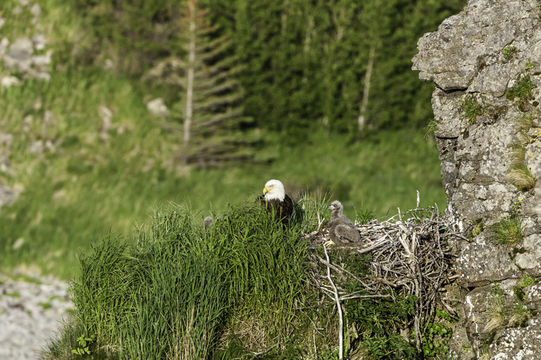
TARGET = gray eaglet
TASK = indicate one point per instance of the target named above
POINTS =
(341, 230)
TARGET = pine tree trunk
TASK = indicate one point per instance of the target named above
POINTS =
(308, 36)
(188, 110)
(362, 121)
(338, 22)
(284, 17)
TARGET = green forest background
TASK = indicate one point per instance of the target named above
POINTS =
(295, 73)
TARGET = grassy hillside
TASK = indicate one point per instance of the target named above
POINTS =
(91, 160)
(88, 181)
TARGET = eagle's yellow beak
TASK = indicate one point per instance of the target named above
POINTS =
(266, 189)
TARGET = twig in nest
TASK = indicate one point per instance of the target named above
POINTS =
(340, 315)
(319, 221)
(385, 281)
(351, 296)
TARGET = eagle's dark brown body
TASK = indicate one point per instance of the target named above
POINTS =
(282, 210)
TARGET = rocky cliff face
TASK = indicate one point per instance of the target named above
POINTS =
(486, 65)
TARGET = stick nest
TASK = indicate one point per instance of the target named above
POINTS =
(409, 255)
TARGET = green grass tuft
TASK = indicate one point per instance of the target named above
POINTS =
(526, 281)
(477, 229)
(525, 122)
(497, 310)
(521, 315)
(521, 177)
(519, 174)
(523, 283)
(180, 284)
(13, 294)
(45, 305)
(507, 231)
(522, 89)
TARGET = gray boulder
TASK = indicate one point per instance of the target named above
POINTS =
(157, 107)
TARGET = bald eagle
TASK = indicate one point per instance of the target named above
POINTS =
(341, 229)
(276, 200)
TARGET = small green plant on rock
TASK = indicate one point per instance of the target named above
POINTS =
(519, 174)
(472, 109)
(523, 283)
(526, 281)
(522, 89)
(519, 293)
(522, 92)
(509, 52)
(14, 294)
(521, 177)
(45, 305)
(477, 228)
(525, 123)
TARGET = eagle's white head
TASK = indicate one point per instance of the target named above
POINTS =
(274, 190)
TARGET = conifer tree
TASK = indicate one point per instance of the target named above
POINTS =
(376, 17)
(210, 106)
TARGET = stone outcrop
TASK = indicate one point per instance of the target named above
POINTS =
(486, 65)
(24, 56)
